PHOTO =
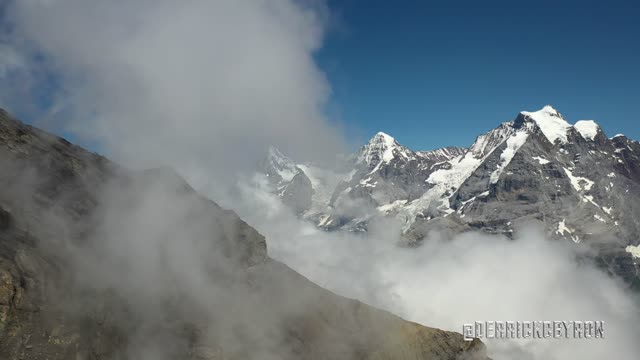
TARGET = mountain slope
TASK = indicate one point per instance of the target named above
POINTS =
(100, 262)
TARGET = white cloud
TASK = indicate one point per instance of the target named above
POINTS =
(449, 282)
(203, 86)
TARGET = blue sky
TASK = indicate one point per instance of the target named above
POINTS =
(430, 73)
(438, 73)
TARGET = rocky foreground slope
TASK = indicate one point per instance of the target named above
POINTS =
(99, 262)
(583, 186)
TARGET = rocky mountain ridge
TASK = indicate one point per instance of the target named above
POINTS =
(101, 262)
(583, 186)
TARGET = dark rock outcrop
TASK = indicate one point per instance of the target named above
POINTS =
(298, 193)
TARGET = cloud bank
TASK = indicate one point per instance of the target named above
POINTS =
(448, 282)
(204, 86)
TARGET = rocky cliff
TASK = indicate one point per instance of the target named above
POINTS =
(101, 262)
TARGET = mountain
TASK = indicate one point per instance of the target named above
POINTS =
(101, 262)
(583, 186)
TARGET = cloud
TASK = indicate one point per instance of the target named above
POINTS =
(204, 86)
(10, 60)
(448, 282)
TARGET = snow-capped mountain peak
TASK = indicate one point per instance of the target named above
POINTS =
(382, 148)
(275, 152)
(278, 164)
(551, 111)
(384, 136)
(551, 123)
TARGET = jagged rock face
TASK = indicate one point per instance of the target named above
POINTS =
(441, 155)
(629, 153)
(99, 262)
(576, 185)
(582, 185)
(278, 168)
(298, 193)
(385, 174)
(288, 181)
(387, 171)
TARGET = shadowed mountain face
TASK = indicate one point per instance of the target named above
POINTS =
(100, 262)
(584, 187)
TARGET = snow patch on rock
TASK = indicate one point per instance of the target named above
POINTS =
(579, 183)
(541, 160)
(564, 229)
(514, 143)
(281, 164)
(634, 251)
(391, 207)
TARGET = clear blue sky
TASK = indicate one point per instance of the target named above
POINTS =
(438, 73)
